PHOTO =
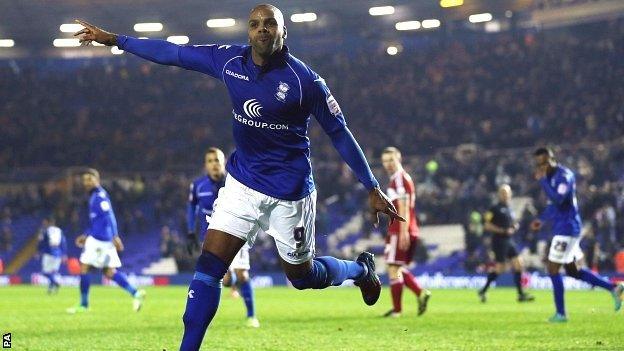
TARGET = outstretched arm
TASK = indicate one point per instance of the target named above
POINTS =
(326, 110)
(199, 58)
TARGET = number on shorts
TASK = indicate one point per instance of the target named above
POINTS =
(299, 237)
(561, 246)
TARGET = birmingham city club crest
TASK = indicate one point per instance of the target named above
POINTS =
(282, 90)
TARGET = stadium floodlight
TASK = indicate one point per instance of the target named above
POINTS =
(148, 27)
(116, 51)
(7, 43)
(451, 3)
(408, 25)
(493, 27)
(381, 10)
(430, 23)
(480, 17)
(220, 22)
(142, 38)
(66, 43)
(303, 17)
(70, 27)
(178, 39)
(392, 50)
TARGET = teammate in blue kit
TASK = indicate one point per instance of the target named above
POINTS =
(559, 185)
(269, 185)
(53, 250)
(202, 195)
(100, 245)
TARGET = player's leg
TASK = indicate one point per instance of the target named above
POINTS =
(204, 291)
(49, 268)
(396, 289)
(406, 256)
(85, 284)
(586, 275)
(558, 255)
(325, 271)
(246, 291)
(558, 291)
(518, 267)
(498, 269)
(110, 261)
(229, 280)
(499, 248)
(291, 224)
(394, 275)
(121, 279)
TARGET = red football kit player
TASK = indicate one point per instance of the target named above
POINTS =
(402, 236)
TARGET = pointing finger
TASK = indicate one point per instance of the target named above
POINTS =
(393, 215)
(82, 31)
(86, 24)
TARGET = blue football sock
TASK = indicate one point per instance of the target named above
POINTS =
(328, 271)
(557, 283)
(52, 278)
(248, 296)
(85, 281)
(203, 299)
(592, 278)
(122, 280)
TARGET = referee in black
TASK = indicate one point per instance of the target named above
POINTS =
(500, 222)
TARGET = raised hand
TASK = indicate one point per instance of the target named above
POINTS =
(192, 243)
(379, 202)
(92, 33)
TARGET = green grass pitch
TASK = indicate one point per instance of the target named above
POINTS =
(333, 319)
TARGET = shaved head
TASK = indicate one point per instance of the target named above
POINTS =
(504, 193)
(266, 32)
(277, 13)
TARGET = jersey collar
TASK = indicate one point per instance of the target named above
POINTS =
(276, 60)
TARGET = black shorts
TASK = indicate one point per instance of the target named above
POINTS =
(504, 248)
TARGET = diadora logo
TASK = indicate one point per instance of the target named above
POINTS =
(252, 108)
(236, 75)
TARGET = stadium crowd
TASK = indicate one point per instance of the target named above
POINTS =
(466, 113)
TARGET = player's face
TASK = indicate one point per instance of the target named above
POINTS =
(504, 194)
(390, 162)
(214, 164)
(89, 181)
(542, 163)
(266, 30)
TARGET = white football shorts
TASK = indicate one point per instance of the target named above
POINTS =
(565, 249)
(50, 264)
(242, 212)
(100, 254)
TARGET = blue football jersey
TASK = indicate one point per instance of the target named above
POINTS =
(52, 242)
(271, 111)
(101, 216)
(562, 209)
(202, 195)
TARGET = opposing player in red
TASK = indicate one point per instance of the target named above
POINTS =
(402, 237)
